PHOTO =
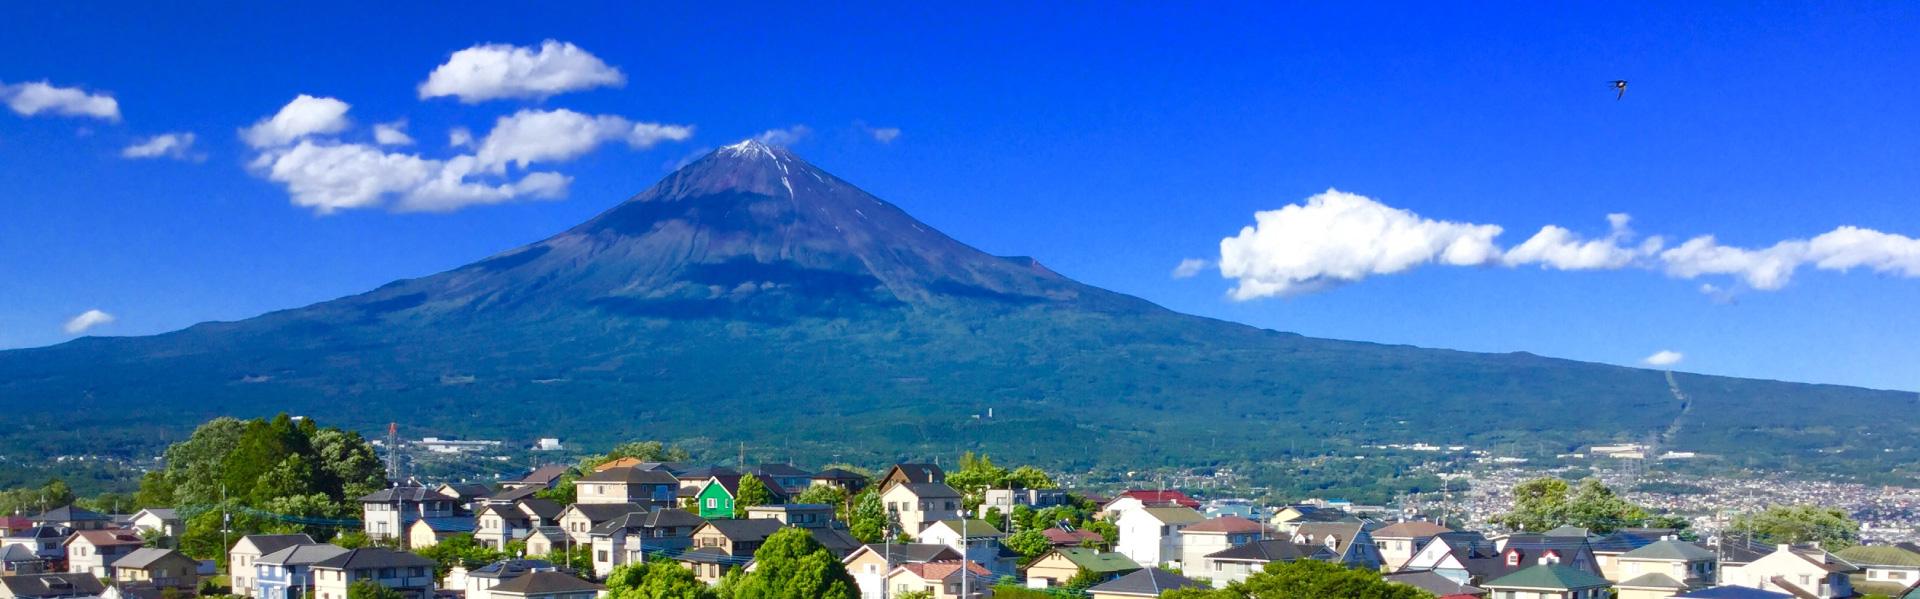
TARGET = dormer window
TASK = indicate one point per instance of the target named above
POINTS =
(1513, 558)
(1551, 557)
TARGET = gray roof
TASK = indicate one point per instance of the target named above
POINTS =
(631, 476)
(544, 475)
(508, 569)
(547, 509)
(163, 513)
(1653, 580)
(782, 470)
(541, 583)
(1433, 583)
(837, 541)
(266, 544)
(1149, 582)
(602, 512)
(512, 495)
(451, 524)
(925, 490)
(407, 494)
(747, 530)
(301, 555)
(914, 553)
(374, 557)
(1670, 550)
(20, 553)
(69, 514)
(1273, 551)
(140, 559)
(54, 584)
(668, 517)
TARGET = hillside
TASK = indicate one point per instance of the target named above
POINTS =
(752, 296)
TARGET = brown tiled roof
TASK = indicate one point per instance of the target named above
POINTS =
(941, 570)
(104, 538)
(1410, 530)
(1225, 524)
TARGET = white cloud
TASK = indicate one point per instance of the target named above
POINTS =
(1663, 358)
(178, 146)
(1339, 238)
(87, 320)
(1770, 268)
(884, 135)
(784, 137)
(304, 116)
(392, 134)
(495, 71)
(460, 137)
(1559, 248)
(28, 99)
(1190, 267)
(531, 136)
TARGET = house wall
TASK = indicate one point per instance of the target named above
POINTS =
(714, 502)
(1194, 547)
(1396, 551)
(914, 512)
(1148, 541)
(332, 584)
(1052, 570)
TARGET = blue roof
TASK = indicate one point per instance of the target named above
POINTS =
(1732, 592)
(450, 524)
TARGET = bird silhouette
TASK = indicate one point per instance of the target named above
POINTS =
(1621, 86)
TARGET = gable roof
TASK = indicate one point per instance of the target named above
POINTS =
(975, 527)
(706, 473)
(1410, 530)
(1433, 583)
(266, 544)
(838, 474)
(546, 509)
(781, 470)
(301, 555)
(106, 538)
(630, 475)
(1653, 580)
(54, 584)
(1149, 582)
(1228, 524)
(657, 518)
(453, 524)
(512, 495)
(1671, 550)
(69, 513)
(542, 583)
(1880, 555)
(908, 552)
(1096, 561)
(508, 569)
(916, 473)
(1733, 592)
(1272, 551)
(837, 541)
(142, 558)
(18, 552)
(942, 570)
(1152, 497)
(373, 557)
(163, 513)
(1174, 515)
(1559, 577)
(602, 512)
(467, 490)
(746, 530)
(544, 475)
(404, 494)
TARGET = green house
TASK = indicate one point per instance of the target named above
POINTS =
(715, 500)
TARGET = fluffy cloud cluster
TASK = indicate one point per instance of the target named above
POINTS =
(1664, 357)
(297, 149)
(1338, 238)
(178, 146)
(29, 99)
(87, 320)
(497, 71)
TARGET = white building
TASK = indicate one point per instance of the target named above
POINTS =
(1150, 536)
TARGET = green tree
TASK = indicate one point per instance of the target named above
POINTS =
(460, 550)
(646, 451)
(1542, 504)
(1538, 505)
(292, 477)
(368, 589)
(868, 522)
(1831, 527)
(975, 476)
(730, 583)
(195, 466)
(347, 464)
(667, 579)
(1028, 477)
(155, 490)
(752, 492)
(353, 539)
(563, 492)
(1030, 544)
(1109, 532)
(1312, 579)
(791, 565)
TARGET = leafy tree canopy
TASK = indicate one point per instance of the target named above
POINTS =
(1543, 504)
(791, 565)
(752, 493)
(367, 589)
(1831, 527)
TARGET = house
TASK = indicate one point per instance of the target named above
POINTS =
(1521, 551)
(942, 580)
(715, 500)
(160, 568)
(480, 582)
(977, 540)
(1061, 537)
(1150, 536)
(1660, 569)
(545, 540)
(1550, 581)
(542, 478)
(1733, 592)
(1132, 500)
(850, 482)
(11, 525)
(1292, 516)
(288, 572)
(722, 544)
(578, 520)
(1351, 544)
(157, 519)
(1004, 500)
(73, 518)
(546, 585)
(627, 485)
(914, 504)
(1608, 548)
(48, 542)
(91, 551)
(871, 563)
(20, 559)
(1235, 564)
(919, 474)
(388, 512)
(1057, 567)
(784, 478)
(248, 549)
(625, 539)
(467, 497)
(1439, 585)
(1149, 583)
(410, 574)
(1801, 571)
(1890, 570)
(1464, 557)
(1213, 535)
(51, 586)
(803, 515)
(693, 481)
(427, 532)
(1399, 541)
(496, 525)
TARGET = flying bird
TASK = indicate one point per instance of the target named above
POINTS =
(1621, 86)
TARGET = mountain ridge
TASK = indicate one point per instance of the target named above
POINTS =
(752, 295)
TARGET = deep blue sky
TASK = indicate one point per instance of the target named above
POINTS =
(1110, 143)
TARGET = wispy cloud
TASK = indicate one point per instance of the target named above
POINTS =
(87, 320)
(784, 137)
(178, 146)
(1337, 238)
(1663, 358)
(392, 134)
(29, 99)
(1190, 267)
(499, 71)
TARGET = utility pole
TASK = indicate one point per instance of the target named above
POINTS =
(966, 559)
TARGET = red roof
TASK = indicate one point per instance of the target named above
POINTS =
(15, 522)
(1173, 497)
(1062, 537)
(942, 569)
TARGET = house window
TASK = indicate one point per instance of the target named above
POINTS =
(1806, 580)
(1897, 575)
(1513, 559)
(712, 503)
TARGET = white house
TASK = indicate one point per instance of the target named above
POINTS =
(1215, 535)
(917, 504)
(982, 543)
(1801, 571)
(1151, 536)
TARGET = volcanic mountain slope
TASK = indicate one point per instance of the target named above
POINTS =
(752, 296)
